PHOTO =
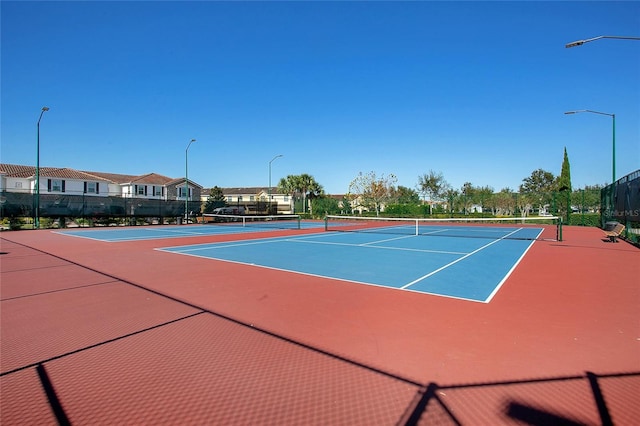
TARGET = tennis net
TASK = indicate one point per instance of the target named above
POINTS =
(281, 221)
(521, 228)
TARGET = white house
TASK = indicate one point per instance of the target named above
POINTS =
(18, 178)
(254, 199)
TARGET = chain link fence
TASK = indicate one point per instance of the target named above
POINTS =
(18, 210)
(620, 202)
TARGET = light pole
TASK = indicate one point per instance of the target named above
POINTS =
(272, 160)
(186, 182)
(36, 220)
(581, 42)
(613, 116)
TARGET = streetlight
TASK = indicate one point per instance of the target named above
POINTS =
(272, 160)
(186, 182)
(613, 116)
(37, 209)
(581, 42)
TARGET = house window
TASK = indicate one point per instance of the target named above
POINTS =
(92, 188)
(55, 185)
(229, 199)
(286, 198)
(141, 189)
(252, 197)
(239, 198)
(157, 191)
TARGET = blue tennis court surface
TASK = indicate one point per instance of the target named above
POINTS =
(133, 233)
(465, 268)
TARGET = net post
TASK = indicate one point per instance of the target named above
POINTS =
(326, 223)
(299, 220)
(417, 227)
(560, 229)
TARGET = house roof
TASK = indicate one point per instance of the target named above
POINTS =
(153, 179)
(253, 190)
(256, 190)
(16, 170)
(181, 181)
(19, 171)
(113, 177)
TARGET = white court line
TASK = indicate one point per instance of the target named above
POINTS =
(388, 239)
(302, 239)
(207, 246)
(306, 238)
(375, 247)
(495, 290)
(237, 262)
(424, 277)
(67, 234)
(171, 230)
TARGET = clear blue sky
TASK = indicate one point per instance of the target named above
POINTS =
(474, 90)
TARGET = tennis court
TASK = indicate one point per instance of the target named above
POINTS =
(450, 265)
(194, 230)
(127, 333)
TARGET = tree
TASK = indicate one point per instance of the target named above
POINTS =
(467, 192)
(215, 199)
(588, 198)
(564, 184)
(431, 185)
(309, 188)
(404, 195)
(325, 205)
(370, 191)
(564, 181)
(346, 205)
(504, 202)
(303, 184)
(537, 188)
(289, 186)
(525, 202)
(484, 196)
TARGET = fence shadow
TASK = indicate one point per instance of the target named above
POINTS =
(589, 399)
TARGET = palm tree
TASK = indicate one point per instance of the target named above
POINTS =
(289, 186)
(303, 184)
(306, 184)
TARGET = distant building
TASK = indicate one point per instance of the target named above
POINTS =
(52, 180)
(255, 200)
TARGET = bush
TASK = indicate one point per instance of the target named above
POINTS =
(584, 219)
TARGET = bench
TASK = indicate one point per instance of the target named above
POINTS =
(614, 233)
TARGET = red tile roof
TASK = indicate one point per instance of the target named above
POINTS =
(19, 171)
(15, 170)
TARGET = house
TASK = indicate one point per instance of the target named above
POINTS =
(151, 186)
(255, 200)
(17, 178)
(69, 192)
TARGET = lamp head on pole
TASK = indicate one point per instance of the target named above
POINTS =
(574, 44)
(45, 108)
(581, 42)
(591, 111)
